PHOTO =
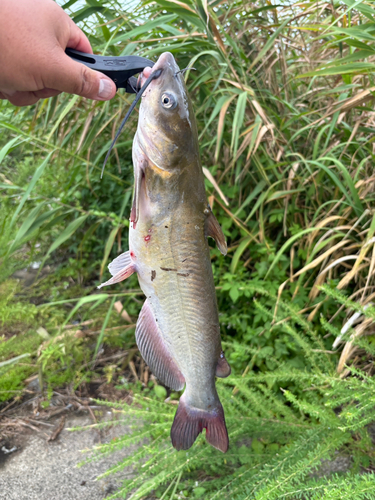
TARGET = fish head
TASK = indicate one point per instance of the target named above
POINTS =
(167, 133)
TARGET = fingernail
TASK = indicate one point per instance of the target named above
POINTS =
(105, 89)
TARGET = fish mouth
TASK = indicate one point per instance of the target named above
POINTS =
(165, 61)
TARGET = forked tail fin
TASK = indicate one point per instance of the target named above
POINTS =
(190, 421)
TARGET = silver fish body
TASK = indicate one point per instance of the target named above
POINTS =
(178, 330)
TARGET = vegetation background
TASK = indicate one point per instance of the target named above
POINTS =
(283, 94)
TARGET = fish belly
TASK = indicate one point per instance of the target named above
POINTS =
(174, 272)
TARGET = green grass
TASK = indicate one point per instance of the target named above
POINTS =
(284, 102)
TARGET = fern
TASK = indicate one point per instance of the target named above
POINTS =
(282, 424)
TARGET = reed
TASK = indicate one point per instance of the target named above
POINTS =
(283, 96)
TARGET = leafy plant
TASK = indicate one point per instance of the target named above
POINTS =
(283, 96)
(283, 424)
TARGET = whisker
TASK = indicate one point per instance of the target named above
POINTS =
(153, 76)
(185, 69)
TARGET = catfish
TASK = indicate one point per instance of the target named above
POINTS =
(177, 332)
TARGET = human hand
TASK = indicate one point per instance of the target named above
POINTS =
(33, 65)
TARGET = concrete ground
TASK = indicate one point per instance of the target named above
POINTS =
(42, 470)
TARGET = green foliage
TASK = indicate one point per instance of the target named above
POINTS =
(262, 137)
(11, 310)
(280, 439)
(283, 98)
(15, 351)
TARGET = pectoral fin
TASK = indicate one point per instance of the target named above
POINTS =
(155, 351)
(139, 168)
(213, 229)
(121, 268)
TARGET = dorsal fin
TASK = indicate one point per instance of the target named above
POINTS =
(213, 229)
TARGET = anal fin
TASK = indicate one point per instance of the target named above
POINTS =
(121, 268)
(155, 351)
(213, 229)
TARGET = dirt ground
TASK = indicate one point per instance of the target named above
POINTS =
(31, 467)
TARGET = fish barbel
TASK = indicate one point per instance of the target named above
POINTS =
(177, 331)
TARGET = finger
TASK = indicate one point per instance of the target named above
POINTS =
(78, 40)
(147, 72)
(8, 92)
(46, 93)
(144, 75)
(22, 98)
(73, 77)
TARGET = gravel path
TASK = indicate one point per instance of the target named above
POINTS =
(44, 470)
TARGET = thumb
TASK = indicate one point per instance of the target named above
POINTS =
(76, 78)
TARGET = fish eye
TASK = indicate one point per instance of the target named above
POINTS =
(168, 100)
